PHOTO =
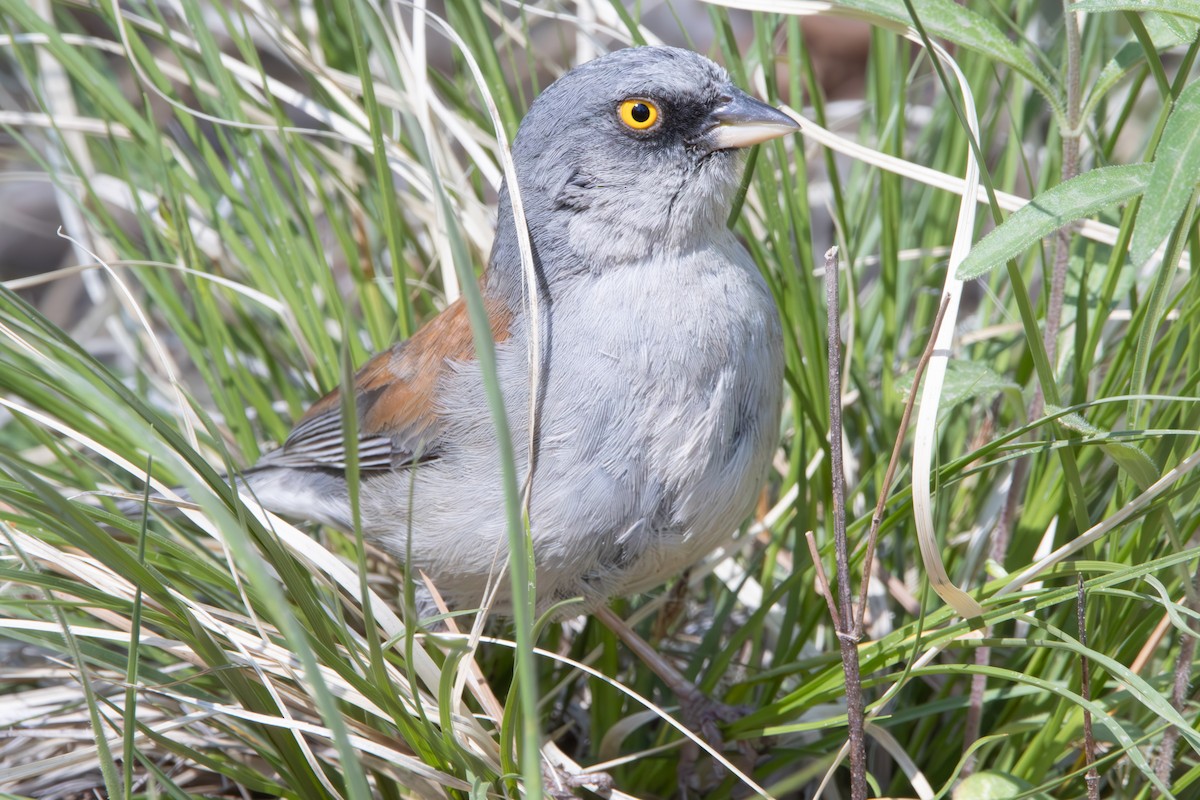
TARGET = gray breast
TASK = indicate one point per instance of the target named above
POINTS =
(658, 422)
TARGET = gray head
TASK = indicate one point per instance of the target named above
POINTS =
(628, 156)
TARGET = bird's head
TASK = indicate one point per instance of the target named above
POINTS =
(630, 156)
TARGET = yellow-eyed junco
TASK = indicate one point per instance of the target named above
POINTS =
(663, 360)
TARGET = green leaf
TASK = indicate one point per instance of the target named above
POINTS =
(1173, 179)
(964, 380)
(1179, 8)
(947, 20)
(1128, 457)
(1129, 56)
(993, 785)
(1077, 198)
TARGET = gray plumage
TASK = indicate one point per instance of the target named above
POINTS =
(662, 358)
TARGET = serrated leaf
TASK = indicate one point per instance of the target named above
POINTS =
(1173, 178)
(1080, 197)
(1128, 457)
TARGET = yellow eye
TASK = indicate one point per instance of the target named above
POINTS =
(639, 114)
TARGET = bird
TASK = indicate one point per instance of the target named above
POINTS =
(659, 392)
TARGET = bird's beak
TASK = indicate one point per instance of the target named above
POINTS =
(742, 121)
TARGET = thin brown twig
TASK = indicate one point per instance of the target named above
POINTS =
(877, 517)
(844, 619)
(1085, 678)
(1002, 534)
(1070, 168)
(1165, 763)
(822, 579)
(974, 721)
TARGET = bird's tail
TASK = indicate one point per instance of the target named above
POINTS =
(318, 495)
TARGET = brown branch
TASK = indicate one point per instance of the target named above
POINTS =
(844, 620)
(822, 580)
(1085, 680)
(974, 721)
(1070, 168)
(1165, 762)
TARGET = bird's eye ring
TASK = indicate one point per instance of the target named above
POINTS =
(638, 114)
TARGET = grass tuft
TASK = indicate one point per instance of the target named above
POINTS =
(254, 197)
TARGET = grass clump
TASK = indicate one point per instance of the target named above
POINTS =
(256, 197)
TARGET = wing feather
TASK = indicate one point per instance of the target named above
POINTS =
(396, 396)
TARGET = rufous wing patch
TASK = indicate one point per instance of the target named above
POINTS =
(396, 392)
